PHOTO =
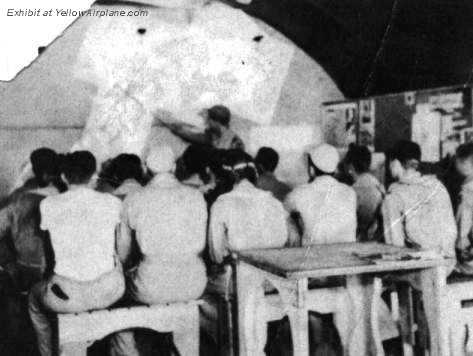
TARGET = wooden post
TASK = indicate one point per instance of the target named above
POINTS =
(358, 341)
(251, 324)
(433, 282)
(299, 320)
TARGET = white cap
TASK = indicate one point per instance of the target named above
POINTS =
(325, 157)
(161, 159)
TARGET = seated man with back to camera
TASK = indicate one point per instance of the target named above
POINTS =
(266, 161)
(20, 220)
(323, 210)
(417, 212)
(25, 252)
(29, 179)
(369, 193)
(170, 221)
(87, 275)
(243, 218)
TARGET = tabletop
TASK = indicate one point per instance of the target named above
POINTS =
(336, 260)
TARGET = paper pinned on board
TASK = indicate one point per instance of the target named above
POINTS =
(426, 132)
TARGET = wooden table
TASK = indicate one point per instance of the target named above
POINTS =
(289, 270)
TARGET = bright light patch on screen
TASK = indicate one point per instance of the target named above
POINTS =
(284, 138)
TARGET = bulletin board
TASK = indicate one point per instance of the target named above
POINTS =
(340, 123)
(438, 119)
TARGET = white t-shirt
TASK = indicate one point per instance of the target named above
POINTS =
(170, 222)
(328, 210)
(81, 223)
(246, 218)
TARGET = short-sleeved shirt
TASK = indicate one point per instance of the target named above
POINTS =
(327, 209)
(170, 222)
(82, 224)
(245, 218)
(369, 197)
(418, 211)
(19, 227)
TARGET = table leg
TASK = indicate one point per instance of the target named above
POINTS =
(433, 284)
(361, 340)
(343, 320)
(251, 323)
(375, 332)
(357, 340)
(299, 320)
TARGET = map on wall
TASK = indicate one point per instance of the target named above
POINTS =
(182, 64)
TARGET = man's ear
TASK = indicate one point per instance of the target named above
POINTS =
(64, 179)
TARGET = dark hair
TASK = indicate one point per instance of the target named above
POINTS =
(405, 151)
(236, 157)
(78, 167)
(224, 179)
(107, 176)
(45, 164)
(465, 151)
(127, 166)
(220, 114)
(360, 157)
(195, 160)
(267, 159)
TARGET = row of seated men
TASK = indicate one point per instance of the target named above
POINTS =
(77, 247)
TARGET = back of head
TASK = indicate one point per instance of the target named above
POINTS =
(359, 157)
(161, 159)
(463, 163)
(324, 158)
(267, 159)
(406, 152)
(46, 164)
(240, 165)
(107, 177)
(220, 114)
(195, 160)
(464, 151)
(127, 166)
(78, 167)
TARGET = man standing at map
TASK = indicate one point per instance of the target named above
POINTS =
(217, 132)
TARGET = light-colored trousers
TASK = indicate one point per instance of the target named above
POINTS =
(179, 281)
(44, 304)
